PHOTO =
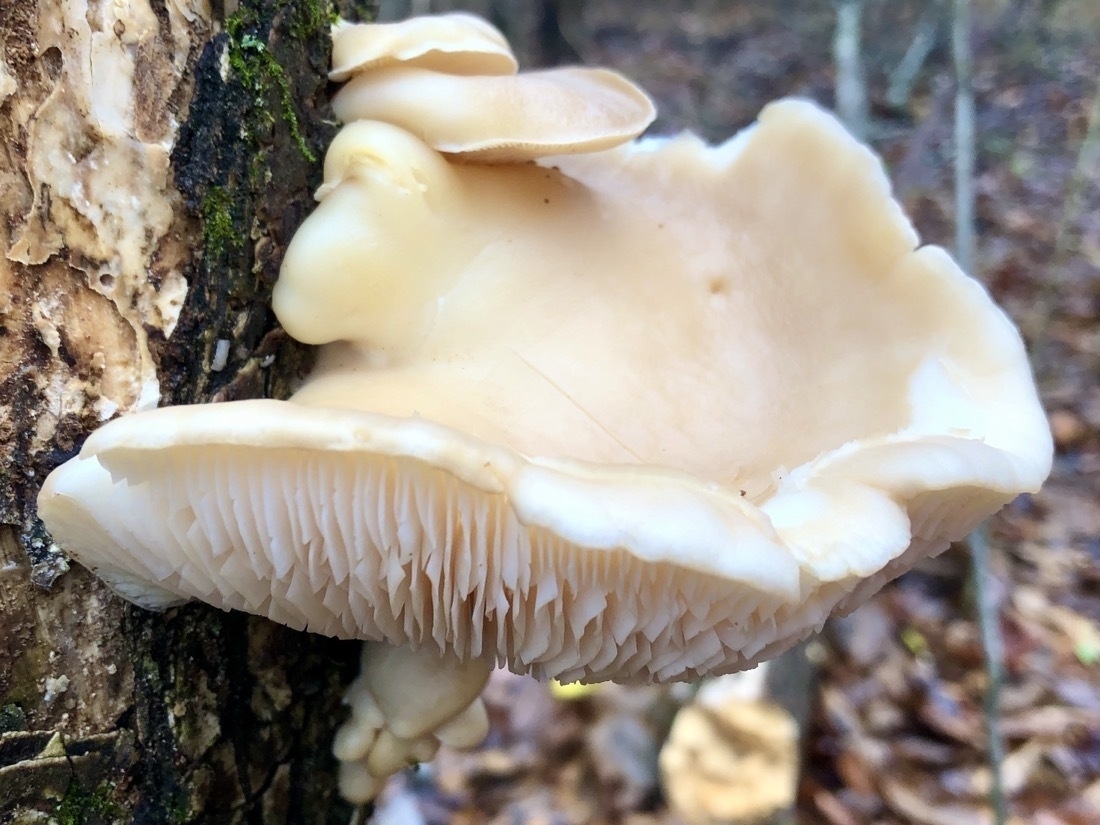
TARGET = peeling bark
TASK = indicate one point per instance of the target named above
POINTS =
(155, 158)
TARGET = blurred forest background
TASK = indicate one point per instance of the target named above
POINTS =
(898, 732)
(112, 714)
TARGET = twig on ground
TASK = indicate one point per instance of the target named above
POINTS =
(1084, 170)
(988, 608)
(851, 88)
(904, 76)
(989, 622)
(964, 138)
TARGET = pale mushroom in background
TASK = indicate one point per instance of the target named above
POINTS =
(640, 415)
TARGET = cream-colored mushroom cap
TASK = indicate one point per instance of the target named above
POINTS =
(640, 415)
(502, 119)
(454, 43)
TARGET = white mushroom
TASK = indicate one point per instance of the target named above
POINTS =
(451, 43)
(642, 415)
(502, 119)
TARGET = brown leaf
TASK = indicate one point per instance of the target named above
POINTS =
(918, 810)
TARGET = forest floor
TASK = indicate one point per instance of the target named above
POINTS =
(897, 734)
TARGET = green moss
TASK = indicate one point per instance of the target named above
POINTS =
(12, 718)
(311, 15)
(25, 678)
(218, 227)
(81, 805)
(179, 812)
(259, 72)
(240, 21)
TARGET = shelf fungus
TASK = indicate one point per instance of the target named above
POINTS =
(588, 407)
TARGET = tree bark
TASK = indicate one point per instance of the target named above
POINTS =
(155, 158)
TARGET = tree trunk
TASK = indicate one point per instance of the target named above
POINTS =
(155, 158)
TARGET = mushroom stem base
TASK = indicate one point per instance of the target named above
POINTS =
(404, 704)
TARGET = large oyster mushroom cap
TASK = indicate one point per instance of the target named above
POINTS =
(662, 409)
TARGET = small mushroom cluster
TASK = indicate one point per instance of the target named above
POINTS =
(589, 407)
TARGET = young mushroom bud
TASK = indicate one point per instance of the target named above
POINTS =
(642, 414)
